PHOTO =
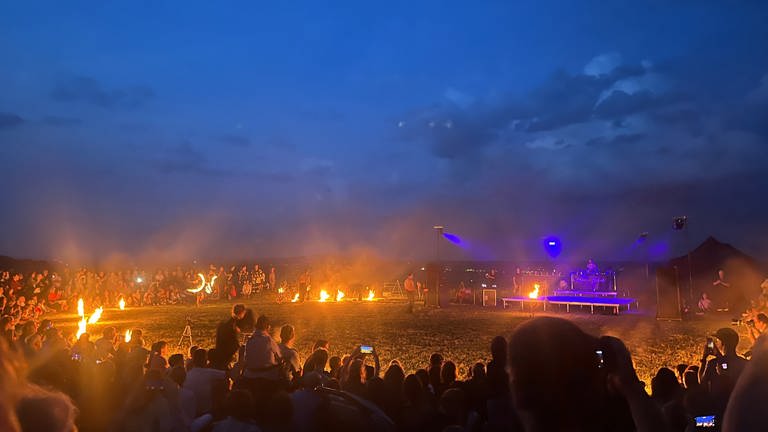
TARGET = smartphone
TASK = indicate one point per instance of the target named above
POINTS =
(366, 349)
(600, 359)
(710, 344)
(705, 421)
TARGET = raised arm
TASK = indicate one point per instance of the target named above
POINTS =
(645, 413)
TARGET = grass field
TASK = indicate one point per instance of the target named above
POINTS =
(461, 333)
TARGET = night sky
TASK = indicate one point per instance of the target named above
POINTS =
(180, 130)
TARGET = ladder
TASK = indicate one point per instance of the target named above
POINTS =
(394, 289)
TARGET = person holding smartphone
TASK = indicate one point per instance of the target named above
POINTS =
(720, 358)
(757, 326)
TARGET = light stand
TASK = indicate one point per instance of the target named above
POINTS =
(439, 230)
(679, 224)
(642, 240)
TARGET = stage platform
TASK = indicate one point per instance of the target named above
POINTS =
(615, 303)
(586, 293)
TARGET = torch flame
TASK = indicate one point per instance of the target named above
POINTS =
(209, 286)
(339, 295)
(200, 288)
(535, 293)
(280, 290)
(295, 298)
(371, 295)
(81, 327)
(324, 296)
(121, 303)
(94, 318)
(128, 335)
(80, 308)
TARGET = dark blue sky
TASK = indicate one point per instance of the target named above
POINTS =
(189, 129)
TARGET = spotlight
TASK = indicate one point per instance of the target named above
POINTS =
(553, 246)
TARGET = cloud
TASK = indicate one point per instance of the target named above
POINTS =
(10, 120)
(617, 140)
(61, 121)
(90, 91)
(547, 142)
(235, 140)
(621, 104)
(594, 131)
(186, 159)
(602, 64)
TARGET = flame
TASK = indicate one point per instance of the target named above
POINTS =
(209, 287)
(94, 318)
(80, 308)
(535, 293)
(202, 285)
(371, 295)
(121, 303)
(128, 335)
(324, 295)
(339, 295)
(81, 327)
(295, 298)
(280, 290)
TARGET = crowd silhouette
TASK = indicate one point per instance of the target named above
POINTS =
(546, 375)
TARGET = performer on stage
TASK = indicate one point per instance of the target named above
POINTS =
(592, 268)
(517, 281)
(490, 278)
(721, 279)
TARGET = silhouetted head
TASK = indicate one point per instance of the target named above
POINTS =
(394, 376)
(499, 349)
(263, 324)
(200, 358)
(448, 373)
(554, 374)
(728, 338)
(287, 333)
(238, 404)
(664, 386)
(238, 311)
(413, 389)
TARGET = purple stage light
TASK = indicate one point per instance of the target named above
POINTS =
(553, 246)
(452, 238)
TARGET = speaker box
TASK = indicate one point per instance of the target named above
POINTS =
(668, 304)
(489, 297)
(436, 282)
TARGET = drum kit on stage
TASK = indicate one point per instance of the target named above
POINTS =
(593, 281)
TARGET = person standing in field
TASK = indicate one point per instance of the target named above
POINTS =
(410, 290)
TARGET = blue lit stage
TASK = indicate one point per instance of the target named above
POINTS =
(574, 299)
